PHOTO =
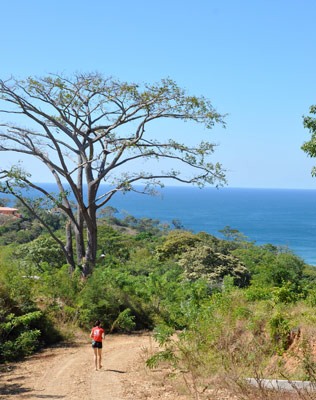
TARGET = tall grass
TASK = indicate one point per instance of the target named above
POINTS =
(230, 338)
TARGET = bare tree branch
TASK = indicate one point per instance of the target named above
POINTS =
(88, 127)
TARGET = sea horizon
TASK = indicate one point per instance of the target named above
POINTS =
(280, 216)
(203, 188)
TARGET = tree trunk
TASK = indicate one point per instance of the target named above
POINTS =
(91, 251)
(91, 221)
(80, 247)
(69, 249)
(79, 231)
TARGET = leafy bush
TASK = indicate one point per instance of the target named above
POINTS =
(113, 243)
(20, 335)
(270, 266)
(255, 292)
(280, 330)
(311, 298)
(287, 293)
(23, 327)
(204, 262)
(41, 254)
(124, 321)
(175, 244)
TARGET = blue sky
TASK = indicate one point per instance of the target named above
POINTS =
(254, 60)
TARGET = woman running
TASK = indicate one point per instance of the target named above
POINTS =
(97, 334)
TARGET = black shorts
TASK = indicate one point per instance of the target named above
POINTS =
(97, 345)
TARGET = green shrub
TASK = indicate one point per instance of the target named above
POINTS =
(280, 331)
(23, 328)
(255, 292)
(287, 293)
(125, 321)
(311, 298)
(27, 342)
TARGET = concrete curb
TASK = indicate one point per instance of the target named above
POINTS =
(283, 385)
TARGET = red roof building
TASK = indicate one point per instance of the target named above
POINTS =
(13, 212)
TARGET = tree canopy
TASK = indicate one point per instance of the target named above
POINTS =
(203, 262)
(90, 130)
(309, 147)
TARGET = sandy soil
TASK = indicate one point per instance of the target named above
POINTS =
(67, 372)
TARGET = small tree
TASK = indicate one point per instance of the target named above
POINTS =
(88, 129)
(4, 202)
(176, 243)
(177, 224)
(108, 211)
(236, 237)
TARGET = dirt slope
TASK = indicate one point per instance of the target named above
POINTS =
(67, 372)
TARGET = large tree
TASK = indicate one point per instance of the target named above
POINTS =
(88, 130)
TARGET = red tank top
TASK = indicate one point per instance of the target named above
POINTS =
(97, 334)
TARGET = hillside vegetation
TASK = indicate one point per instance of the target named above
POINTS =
(217, 306)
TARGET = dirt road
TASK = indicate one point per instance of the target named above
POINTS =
(67, 371)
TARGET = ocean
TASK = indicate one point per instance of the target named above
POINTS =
(285, 217)
(277, 216)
